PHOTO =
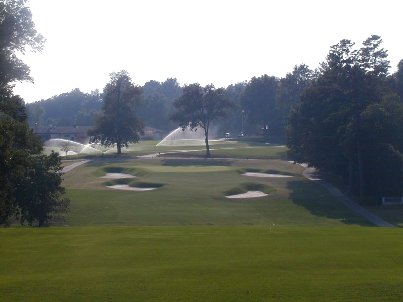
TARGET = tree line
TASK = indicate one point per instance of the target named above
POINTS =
(349, 121)
(345, 118)
(261, 101)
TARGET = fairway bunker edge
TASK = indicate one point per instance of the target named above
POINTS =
(249, 194)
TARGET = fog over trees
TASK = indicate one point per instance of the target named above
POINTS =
(344, 118)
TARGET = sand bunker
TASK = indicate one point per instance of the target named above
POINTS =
(249, 194)
(129, 188)
(255, 174)
(117, 176)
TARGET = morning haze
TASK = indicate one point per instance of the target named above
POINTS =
(201, 151)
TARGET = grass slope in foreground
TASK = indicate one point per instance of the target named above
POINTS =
(201, 263)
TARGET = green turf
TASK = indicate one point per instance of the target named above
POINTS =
(193, 192)
(185, 241)
(201, 264)
(227, 149)
(239, 150)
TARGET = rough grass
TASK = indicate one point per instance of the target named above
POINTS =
(185, 263)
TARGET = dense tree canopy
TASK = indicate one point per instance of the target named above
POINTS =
(398, 78)
(119, 123)
(345, 123)
(199, 107)
(157, 105)
(263, 112)
(293, 85)
(29, 182)
(67, 109)
(233, 122)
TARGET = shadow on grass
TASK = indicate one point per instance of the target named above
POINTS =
(391, 213)
(196, 162)
(319, 203)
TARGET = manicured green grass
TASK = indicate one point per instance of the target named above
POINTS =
(185, 241)
(193, 192)
(227, 149)
(236, 150)
(201, 263)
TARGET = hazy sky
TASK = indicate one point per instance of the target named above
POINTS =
(210, 41)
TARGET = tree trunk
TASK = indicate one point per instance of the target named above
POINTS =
(360, 171)
(119, 145)
(208, 155)
(351, 177)
(359, 158)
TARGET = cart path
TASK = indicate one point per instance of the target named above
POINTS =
(75, 165)
(309, 173)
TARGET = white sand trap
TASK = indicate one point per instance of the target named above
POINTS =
(255, 174)
(129, 188)
(117, 175)
(249, 194)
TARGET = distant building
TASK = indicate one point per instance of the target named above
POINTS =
(77, 133)
(80, 133)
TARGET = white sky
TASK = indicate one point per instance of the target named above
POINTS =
(211, 41)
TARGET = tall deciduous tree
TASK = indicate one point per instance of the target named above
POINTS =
(199, 106)
(119, 124)
(29, 182)
(17, 34)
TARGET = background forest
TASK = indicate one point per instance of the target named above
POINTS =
(344, 118)
(261, 101)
